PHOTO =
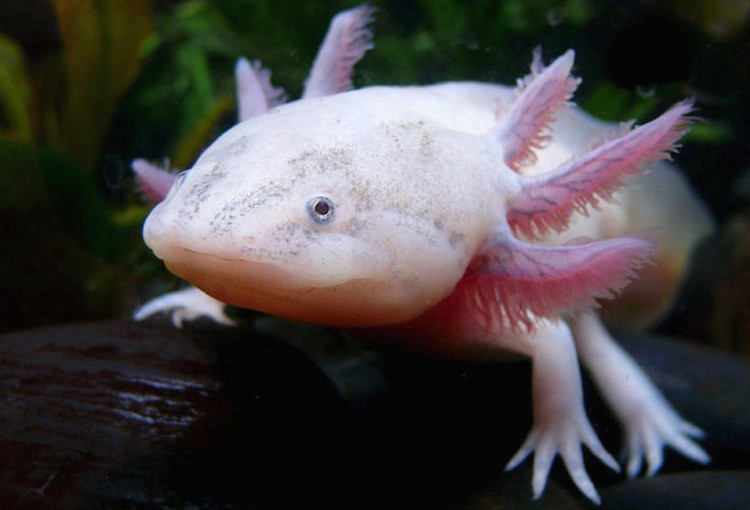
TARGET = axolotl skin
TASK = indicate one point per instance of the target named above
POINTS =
(462, 219)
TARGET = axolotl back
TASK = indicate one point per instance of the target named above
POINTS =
(455, 218)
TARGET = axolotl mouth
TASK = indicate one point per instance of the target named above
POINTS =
(271, 289)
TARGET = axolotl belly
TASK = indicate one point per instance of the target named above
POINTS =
(455, 218)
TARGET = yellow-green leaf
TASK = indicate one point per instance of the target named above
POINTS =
(15, 93)
(104, 48)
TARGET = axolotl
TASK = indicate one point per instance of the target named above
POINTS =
(462, 219)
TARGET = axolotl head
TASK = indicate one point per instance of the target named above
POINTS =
(342, 210)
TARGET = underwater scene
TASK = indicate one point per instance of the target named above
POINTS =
(426, 254)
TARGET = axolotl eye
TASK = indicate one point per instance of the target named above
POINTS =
(321, 210)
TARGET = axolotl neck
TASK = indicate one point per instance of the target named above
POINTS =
(358, 209)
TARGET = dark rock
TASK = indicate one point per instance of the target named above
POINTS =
(124, 415)
(113, 414)
(727, 490)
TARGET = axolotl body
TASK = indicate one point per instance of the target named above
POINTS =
(462, 219)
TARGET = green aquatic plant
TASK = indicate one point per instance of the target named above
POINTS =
(61, 237)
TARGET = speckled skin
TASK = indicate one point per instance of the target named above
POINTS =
(428, 194)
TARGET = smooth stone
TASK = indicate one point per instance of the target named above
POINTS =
(116, 414)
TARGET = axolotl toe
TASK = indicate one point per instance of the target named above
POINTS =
(458, 218)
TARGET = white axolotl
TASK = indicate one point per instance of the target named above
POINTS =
(420, 212)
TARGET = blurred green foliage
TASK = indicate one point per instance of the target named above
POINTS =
(148, 78)
(60, 240)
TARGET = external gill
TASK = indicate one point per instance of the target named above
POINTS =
(519, 280)
(255, 93)
(526, 125)
(547, 201)
(347, 40)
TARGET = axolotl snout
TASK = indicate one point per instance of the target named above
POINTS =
(455, 218)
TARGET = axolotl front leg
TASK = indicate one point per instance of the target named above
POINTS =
(506, 301)
(560, 421)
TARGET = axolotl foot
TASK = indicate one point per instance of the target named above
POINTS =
(653, 427)
(563, 436)
(185, 305)
(649, 422)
